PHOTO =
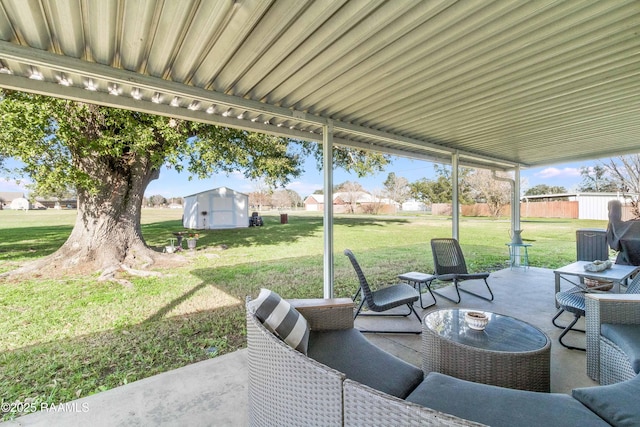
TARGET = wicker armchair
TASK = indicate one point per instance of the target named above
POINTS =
(305, 392)
(606, 362)
(287, 388)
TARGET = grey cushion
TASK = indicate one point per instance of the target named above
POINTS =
(616, 403)
(572, 301)
(498, 406)
(349, 352)
(627, 337)
(394, 296)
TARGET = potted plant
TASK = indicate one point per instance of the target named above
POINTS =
(191, 240)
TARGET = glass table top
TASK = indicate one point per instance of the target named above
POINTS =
(502, 333)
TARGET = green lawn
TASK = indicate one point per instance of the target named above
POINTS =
(72, 337)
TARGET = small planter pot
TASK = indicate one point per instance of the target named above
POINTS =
(191, 243)
(476, 320)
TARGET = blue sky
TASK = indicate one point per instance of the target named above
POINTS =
(173, 184)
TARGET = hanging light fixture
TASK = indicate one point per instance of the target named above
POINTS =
(64, 80)
(90, 85)
(4, 69)
(36, 75)
(114, 90)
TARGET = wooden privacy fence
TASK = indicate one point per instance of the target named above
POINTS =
(559, 209)
(554, 209)
(441, 209)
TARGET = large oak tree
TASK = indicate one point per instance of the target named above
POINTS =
(109, 156)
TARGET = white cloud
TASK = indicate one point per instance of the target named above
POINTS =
(558, 173)
(7, 184)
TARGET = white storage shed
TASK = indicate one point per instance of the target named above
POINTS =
(20, 204)
(218, 208)
(596, 205)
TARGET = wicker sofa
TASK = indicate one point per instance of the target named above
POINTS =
(287, 387)
(613, 337)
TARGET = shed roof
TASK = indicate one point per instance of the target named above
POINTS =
(217, 190)
(502, 83)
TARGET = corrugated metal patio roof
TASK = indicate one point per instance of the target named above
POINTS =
(503, 83)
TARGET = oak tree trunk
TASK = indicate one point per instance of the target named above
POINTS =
(107, 235)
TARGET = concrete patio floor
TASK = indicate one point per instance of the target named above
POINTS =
(214, 392)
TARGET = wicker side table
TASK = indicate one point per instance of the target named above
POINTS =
(508, 353)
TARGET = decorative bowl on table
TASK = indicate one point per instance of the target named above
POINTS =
(598, 284)
(476, 320)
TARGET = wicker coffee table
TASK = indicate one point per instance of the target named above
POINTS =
(507, 353)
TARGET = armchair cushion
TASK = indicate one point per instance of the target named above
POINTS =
(616, 403)
(349, 352)
(627, 337)
(282, 319)
(460, 276)
(498, 406)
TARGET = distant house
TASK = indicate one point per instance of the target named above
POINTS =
(6, 197)
(217, 208)
(314, 202)
(56, 203)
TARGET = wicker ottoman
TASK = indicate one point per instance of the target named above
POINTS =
(507, 353)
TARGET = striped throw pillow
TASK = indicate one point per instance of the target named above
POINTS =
(281, 318)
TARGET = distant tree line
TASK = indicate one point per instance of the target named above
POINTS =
(279, 199)
(620, 174)
(159, 201)
(276, 199)
(617, 174)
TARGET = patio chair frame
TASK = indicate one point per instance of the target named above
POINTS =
(404, 295)
(573, 302)
(455, 270)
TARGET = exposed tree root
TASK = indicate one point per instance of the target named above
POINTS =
(29, 269)
(108, 273)
(74, 263)
(141, 273)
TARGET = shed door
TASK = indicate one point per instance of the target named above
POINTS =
(221, 211)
